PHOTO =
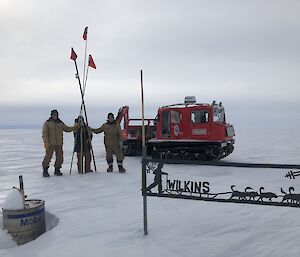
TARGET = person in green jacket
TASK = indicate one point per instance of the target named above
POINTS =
(113, 141)
(53, 141)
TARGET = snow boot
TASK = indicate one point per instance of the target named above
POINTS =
(110, 168)
(121, 169)
(57, 172)
(45, 172)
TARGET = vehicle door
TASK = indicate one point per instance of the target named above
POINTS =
(176, 128)
(165, 124)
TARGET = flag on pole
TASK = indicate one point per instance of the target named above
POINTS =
(73, 55)
(85, 33)
(91, 62)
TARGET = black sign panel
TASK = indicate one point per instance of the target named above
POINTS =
(162, 185)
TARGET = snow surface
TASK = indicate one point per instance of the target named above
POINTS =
(101, 214)
(14, 200)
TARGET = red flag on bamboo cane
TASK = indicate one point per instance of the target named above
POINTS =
(91, 62)
(85, 33)
(73, 55)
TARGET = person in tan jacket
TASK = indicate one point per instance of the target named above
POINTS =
(113, 141)
(53, 140)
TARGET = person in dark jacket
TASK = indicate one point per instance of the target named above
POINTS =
(53, 141)
(113, 141)
(83, 146)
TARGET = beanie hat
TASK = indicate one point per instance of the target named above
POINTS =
(110, 114)
(54, 111)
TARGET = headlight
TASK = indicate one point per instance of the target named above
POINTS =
(224, 144)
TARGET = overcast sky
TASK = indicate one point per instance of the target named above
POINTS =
(243, 53)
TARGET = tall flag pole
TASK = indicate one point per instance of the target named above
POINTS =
(144, 182)
(84, 36)
(85, 76)
(74, 57)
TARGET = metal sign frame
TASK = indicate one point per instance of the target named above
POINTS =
(200, 190)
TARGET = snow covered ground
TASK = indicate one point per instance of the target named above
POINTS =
(100, 214)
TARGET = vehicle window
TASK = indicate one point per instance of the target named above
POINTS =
(219, 114)
(199, 116)
(175, 117)
(165, 124)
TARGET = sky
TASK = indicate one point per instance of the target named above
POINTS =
(243, 53)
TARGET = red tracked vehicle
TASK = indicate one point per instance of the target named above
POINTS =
(188, 130)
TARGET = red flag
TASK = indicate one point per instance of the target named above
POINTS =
(91, 62)
(73, 55)
(85, 33)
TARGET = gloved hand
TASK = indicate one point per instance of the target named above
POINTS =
(46, 145)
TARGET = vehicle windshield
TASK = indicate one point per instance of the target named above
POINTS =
(199, 116)
(219, 114)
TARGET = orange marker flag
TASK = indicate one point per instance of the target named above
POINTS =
(73, 55)
(91, 62)
(85, 33)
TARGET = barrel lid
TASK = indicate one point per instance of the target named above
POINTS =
(33, 203)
